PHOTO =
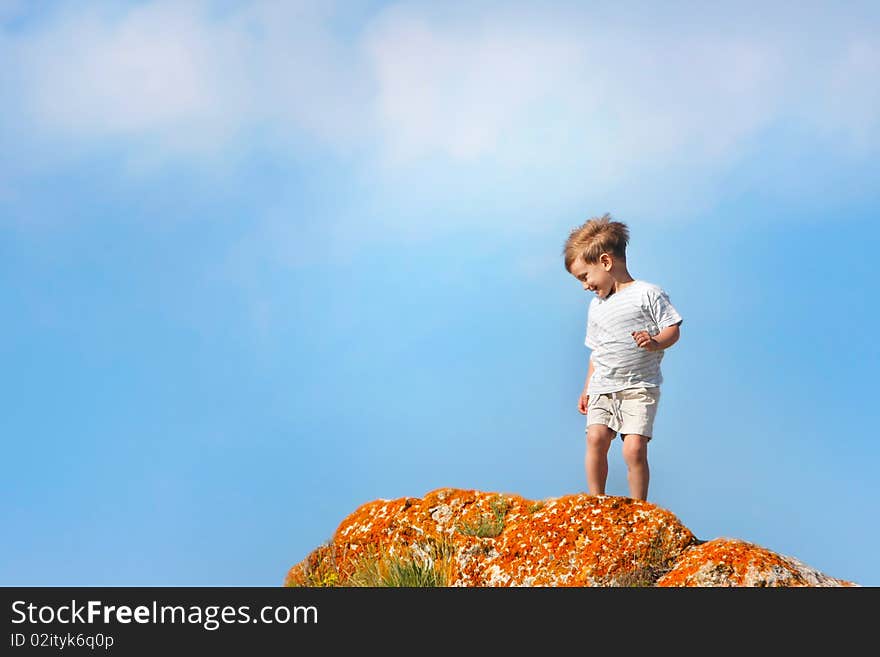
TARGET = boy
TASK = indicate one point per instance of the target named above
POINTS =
(630, 323)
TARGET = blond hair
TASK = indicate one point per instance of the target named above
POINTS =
(596, 236)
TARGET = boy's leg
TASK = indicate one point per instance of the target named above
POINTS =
(635, 454)
(599, 439)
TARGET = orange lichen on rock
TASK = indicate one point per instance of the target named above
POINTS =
(505, 540)
(732, 562)
(496, 539)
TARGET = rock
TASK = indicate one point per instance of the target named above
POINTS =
(455, 537)
(732, 562)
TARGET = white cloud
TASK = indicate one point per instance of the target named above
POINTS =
(179, 80)
(555, 111)
(542, 111)
(482, 99)
(144, 73)
(459, 90)
(472, 92)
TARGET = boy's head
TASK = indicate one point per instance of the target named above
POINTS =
(595, 253)
(596, 236)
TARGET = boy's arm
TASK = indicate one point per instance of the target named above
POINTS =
(663, 340)
(584, 398)
(668, 336)
(589, 374)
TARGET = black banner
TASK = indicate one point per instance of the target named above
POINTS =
(134, 621)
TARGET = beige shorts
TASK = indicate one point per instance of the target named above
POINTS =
(625, 411)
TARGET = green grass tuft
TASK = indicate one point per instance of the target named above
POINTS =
(487, 526)
(429, 567)
(651, 564)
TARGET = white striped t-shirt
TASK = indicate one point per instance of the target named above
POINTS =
(618, 362)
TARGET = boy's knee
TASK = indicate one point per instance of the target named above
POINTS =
(635, 448)
(599, 436)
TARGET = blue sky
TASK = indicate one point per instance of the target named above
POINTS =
(261, 263)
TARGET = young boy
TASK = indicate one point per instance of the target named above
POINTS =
(630, 323)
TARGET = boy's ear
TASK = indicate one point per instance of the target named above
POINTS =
(606, 260)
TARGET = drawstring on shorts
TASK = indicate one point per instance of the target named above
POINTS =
(616, 403)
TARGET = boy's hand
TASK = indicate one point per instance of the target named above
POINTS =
(645, 341)
(583, 402)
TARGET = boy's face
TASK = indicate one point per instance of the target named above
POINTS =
(595, 276)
